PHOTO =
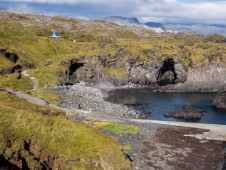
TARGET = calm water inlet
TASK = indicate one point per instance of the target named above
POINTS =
(159, 103)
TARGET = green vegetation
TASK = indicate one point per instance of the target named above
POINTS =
(119, 46)
(49, 95)
(118, 128)
(127, 147)
(31, 41)
(56, 137)
(114, 72)
(24, 84)
(5, 62)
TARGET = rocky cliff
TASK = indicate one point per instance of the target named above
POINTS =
(169, 74)
(109, 69)
(210, 78)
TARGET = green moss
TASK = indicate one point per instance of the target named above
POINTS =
(121, 128)
(115, 72)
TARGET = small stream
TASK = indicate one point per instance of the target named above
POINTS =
(159, 103)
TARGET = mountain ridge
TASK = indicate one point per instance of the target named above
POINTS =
(200, 28)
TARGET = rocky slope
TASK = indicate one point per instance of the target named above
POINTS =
(93, 99)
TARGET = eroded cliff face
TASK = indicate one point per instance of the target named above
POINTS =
(214, 73)
(210, 78)
(112, 69)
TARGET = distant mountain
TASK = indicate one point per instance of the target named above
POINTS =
(122, 20)
(155, 25)
(219, 25)
(205, 29)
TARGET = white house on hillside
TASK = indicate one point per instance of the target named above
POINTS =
(55, 34)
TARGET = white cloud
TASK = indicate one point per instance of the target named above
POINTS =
(71, 1)
(174, 11)
(21, 8)
(148, 10)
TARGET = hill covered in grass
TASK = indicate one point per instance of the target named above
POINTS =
(93, 51)
(105, 50)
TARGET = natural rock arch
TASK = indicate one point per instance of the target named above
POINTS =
(167, 74)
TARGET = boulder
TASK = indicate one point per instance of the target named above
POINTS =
(219, 101)
(27, 65)
(187, 112)
(130, 100)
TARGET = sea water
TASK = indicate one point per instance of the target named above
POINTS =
(157, 104)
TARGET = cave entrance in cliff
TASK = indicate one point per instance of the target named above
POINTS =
(167, 74)
(74, 67)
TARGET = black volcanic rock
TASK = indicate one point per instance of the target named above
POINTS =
(220, 101)
(187, 112)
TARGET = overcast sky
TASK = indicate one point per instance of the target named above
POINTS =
(166, 11)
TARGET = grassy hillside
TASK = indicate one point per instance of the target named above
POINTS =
(29, 37)
(70, 143)
(75, 145)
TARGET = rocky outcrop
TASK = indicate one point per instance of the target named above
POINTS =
(108, 68)
(167, 74)
(10, 70)
(27, 65)
(210, 78)
(187, 112)
(170, 73)
(11, 56)
(25, 154)
(17, 66)
(220, 101)
(130, 100)
(78, 70)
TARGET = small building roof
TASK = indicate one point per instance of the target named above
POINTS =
(55, 34)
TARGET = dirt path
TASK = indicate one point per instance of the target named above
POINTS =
(39, 101)
(34, 81)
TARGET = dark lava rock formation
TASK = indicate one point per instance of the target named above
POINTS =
(11, 56)
(122, 69)
(187, 112)
(220, 101)
(17, 66)
(110, 68)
